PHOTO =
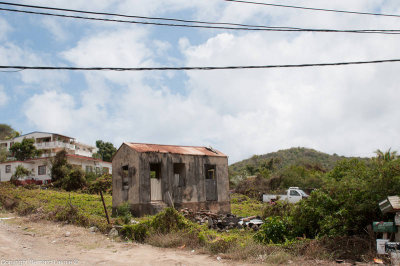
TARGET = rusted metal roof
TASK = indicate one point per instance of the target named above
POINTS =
(187, 150)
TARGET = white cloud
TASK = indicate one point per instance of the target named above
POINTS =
(349, 110)
(3, 97)
(56, 29)
(113, 48)
(5, 28)
(51, 111)
(13, 54)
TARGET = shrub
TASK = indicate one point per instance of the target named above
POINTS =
(221, 244)
(102, 183)
(20, 172)
(74, 180)
(274, 230)
(124, 211)
(279, 208)
(169, 220)
(137, 232)
(253, 186)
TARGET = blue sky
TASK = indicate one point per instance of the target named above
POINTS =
(350, 110)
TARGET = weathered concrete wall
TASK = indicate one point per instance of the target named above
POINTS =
(125, 157)
(191, 195)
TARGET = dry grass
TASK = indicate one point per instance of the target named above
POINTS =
(178, 239)
(250, 250)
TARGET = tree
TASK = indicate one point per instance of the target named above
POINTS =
(60, 166)
(64, 175)
(386, 156)
(25, 150)
(103, 184)
(20, 172)
(3, 155)
(6, 132)
(74, 180)
(106, 150)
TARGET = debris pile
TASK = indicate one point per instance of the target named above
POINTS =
(221, 221)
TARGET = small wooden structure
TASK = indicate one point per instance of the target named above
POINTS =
(390, 205)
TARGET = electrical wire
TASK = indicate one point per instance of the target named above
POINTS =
(198, 68)
(139, 17)
(265, 28)
(315, 9)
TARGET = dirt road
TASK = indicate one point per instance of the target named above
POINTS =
(23, 242)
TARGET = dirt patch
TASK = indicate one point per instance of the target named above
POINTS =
(44, 241)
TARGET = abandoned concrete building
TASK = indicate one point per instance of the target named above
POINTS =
(150, 177)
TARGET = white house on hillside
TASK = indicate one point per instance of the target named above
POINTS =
(78, 154)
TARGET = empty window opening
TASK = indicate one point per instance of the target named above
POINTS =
(210, 170)
(294, 193)
(155, 170)
(179, 174)
(125, 174)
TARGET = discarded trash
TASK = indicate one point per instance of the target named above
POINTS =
(133, 221)
(221, 221)
(67, 234)
(378, 261)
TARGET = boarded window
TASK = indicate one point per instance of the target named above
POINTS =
(179, 174)
(42, 170)
(211, 182)
(8, 169)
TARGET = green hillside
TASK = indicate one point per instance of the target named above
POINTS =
(292, 156)
(290, 167)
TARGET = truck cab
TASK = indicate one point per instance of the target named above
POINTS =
(295, 194)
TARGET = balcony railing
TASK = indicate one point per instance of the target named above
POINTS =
(54, 144)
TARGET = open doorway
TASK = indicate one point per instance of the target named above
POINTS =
(155, 181)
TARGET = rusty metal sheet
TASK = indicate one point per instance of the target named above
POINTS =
(187, 150)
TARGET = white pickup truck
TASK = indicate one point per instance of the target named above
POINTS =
(293, 195)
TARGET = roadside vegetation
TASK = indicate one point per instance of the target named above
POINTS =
(72, 207)
(332, 223)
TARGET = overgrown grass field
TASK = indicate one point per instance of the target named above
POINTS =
(169, 228)
(52, 204)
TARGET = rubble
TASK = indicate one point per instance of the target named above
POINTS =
(222, 221)
(113, 233)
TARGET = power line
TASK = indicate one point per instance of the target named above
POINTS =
(198, 68)
(314, 9)
(137, 17)
(260, 28)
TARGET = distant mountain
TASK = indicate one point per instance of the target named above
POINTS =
(293, 156)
